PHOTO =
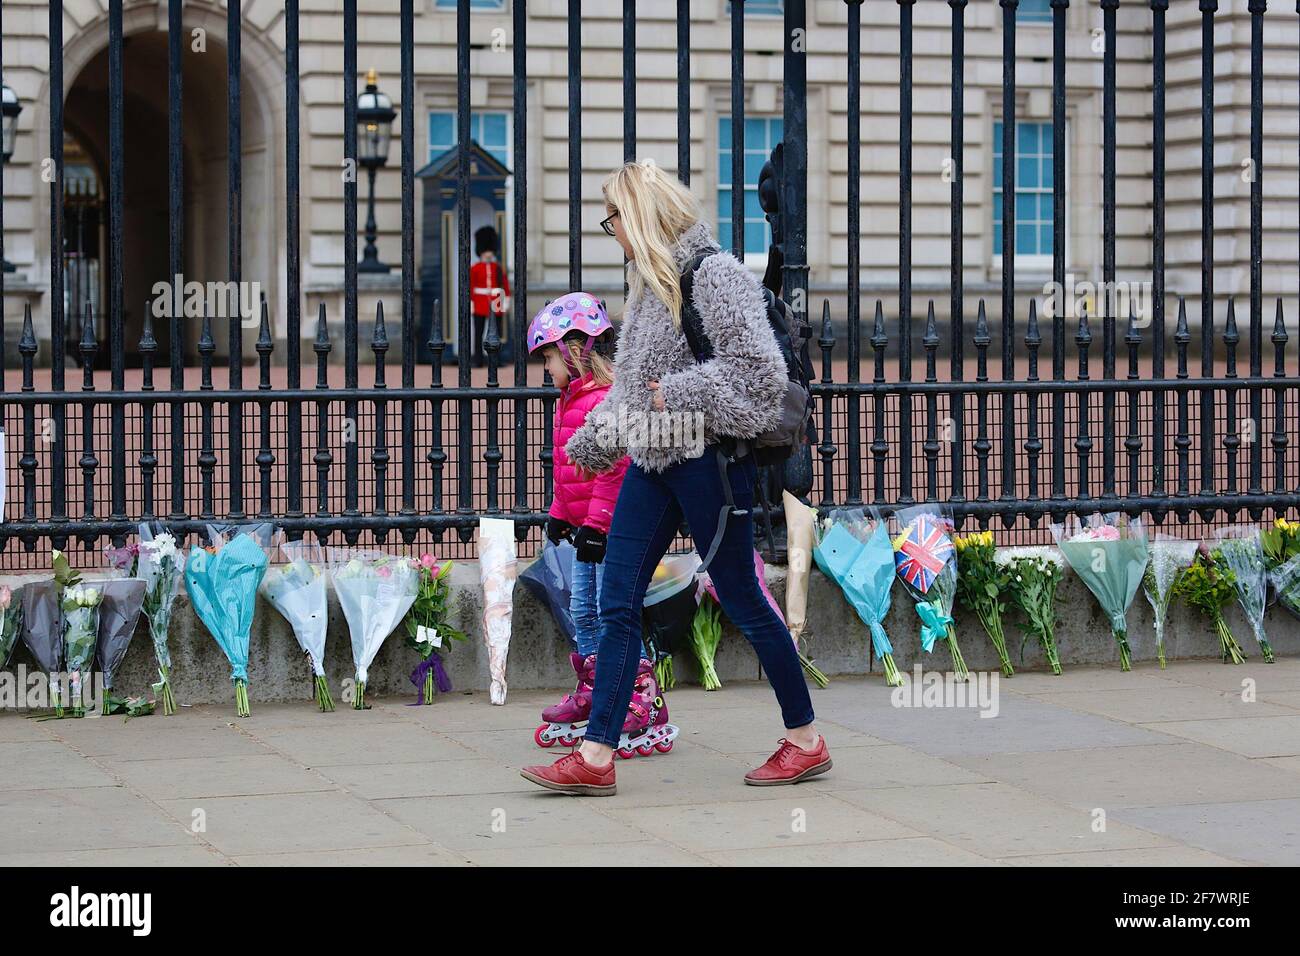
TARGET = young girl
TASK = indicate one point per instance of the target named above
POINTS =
(574, 335)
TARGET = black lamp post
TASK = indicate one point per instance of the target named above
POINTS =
(375, 115)
(9, 110)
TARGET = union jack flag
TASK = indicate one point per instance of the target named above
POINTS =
(921, 552)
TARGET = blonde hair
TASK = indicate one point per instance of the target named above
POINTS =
(600, 367)
(655, 210)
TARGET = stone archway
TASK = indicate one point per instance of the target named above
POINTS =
(205, 197)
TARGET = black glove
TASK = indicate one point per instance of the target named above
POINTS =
(557, 528)
(590, 545)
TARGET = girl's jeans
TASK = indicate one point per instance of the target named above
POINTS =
(650, 509)
(583, 606)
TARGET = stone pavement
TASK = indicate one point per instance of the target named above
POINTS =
(1096, 767)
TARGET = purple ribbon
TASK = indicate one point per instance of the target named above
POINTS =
(440, 678)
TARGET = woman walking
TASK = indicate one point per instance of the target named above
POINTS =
(737, 393)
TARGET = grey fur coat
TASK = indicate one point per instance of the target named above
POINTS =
(737, 392)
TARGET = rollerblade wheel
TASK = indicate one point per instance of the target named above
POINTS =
(625, 752)
(542, 741)
(664, 746)
(645, 750)
(568, 740)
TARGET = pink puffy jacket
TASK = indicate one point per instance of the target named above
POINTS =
(582, 502)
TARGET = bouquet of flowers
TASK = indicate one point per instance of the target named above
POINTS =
(853, 550)
(550, 580)
(375, 591)
(427, 629)
(668, 611)
(1032, 580)
(119, 612)
(1170, 557)
(1207, 585)
(982, 584)
(1110, 555)
(80, 606)
(1240, 549)
(1286, 581)
(1281, 542)
(498, 569)
(706, 633)
(297, 591)
(43, 629)
(222, 583)
(926, 562)
(799, 537)
(11, 623)
(162, 566)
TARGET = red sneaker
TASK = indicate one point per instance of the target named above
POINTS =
(572, 774)
(790, 764)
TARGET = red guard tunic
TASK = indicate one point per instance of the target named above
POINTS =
(488, 288)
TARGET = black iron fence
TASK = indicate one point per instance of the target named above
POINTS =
(417, 460)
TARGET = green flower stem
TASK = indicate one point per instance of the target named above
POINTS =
(892, 677)
(241, 698)
(1228, 643)
(813, 671)
(992, 621)
(1125, 661)
(323, 699)
(168, 701)
(1267, 649)
(359, 702)
(958, 662)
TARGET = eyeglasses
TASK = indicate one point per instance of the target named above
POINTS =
(607, 225)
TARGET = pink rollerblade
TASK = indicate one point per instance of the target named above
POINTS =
(646, 728)
(567, 720)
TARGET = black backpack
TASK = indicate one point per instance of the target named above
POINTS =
(792, 433)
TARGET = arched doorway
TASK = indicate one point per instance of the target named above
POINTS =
(145, 212)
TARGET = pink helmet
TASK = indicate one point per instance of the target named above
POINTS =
(571, 312)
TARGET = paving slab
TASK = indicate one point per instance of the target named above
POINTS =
(1022, 724)
(180, 855)
(798, 817)
(1165, 701)
(363, 742)
(41, 765)
(1255, 736)
(229, 776)
(917, 851)
(510, 820)
(290, 823)
(415, 854)
(430, 778)
(1257, 831)
(59, 820)
(623, 856)
(1164, 856)
(997, 820)
(1114, 777)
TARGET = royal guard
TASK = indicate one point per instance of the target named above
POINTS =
(488, 286)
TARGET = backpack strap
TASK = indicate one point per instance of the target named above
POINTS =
(692, 325)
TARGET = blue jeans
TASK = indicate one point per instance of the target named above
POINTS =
(649, 510)
(583, 605)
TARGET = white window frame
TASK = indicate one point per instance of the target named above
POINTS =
(754, 260)
(1036, 263)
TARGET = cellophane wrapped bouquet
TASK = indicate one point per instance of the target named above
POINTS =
(375, 591)
(926, 562)
(852, 547)
(1240, 549)
(222, 581)
(80, 606)
(1170, 557)
(297, 590)
(11, 622)
(162, 566)
(1109, 554)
